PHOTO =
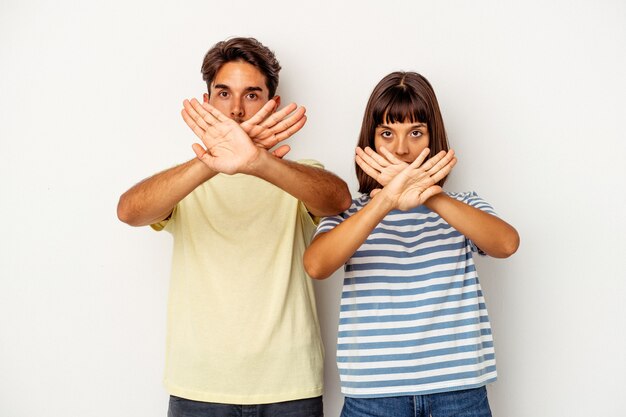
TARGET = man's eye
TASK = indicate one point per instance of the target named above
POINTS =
(223, 94)
(252, 96)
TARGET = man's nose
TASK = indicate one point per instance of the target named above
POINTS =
(237, 110)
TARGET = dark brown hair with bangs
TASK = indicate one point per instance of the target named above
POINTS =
(401, 97)
(248, 50)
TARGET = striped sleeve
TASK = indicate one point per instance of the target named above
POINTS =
(472, 199)
(329, 223)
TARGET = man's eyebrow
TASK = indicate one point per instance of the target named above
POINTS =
(225, 87)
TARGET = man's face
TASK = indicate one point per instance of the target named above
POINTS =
(238, 90)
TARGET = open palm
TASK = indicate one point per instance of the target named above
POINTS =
(228, 148)
(416, 183)
(411, 188)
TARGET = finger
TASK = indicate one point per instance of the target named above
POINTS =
(420, 159)
(389, 156)
(194, 115)
(203, 156)
(367, 168)
(281, 114)
(375, 191)
(291, 130)
(285, 123)
(444, 171)
(382, 161)
(259, 134)
(368, 159)
(198, 150)
(281, 131)
(432, 161)
(214, 112)
(281, 151)
(430, 191)
(439, 161)
(192, 124)
(200, 113)
(262, 114)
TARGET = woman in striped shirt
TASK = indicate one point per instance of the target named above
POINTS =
(414, 336)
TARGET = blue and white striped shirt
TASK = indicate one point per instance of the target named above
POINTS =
(413, 320)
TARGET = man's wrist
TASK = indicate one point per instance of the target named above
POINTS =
(257, 162)
(202, 170)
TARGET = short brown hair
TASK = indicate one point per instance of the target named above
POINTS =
(248, 50)
(401, 97)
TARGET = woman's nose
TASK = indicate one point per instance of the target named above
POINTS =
(401, 147)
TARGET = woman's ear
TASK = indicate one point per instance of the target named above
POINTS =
(205, 96)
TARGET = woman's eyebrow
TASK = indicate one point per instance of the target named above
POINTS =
(420, 124)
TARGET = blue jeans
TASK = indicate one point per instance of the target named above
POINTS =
(466, 403)
(309, 407)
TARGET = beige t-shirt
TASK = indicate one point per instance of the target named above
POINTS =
(242, 324)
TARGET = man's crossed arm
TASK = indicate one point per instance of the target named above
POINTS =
(233, 148)
(230, 148)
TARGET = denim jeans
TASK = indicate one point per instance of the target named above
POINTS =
(466, 403)
(309, 407)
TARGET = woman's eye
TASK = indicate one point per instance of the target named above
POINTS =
(385, 134)
(416, 134)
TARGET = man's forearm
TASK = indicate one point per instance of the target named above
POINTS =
(154, 198)
(323, 193)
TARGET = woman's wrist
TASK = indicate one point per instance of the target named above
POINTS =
(433, 202)
(383, 202)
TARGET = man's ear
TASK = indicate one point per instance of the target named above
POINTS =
(206, 97)
(277, 100)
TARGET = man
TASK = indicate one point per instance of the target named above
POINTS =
(243, 335)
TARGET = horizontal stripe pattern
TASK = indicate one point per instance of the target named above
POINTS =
(413, 319)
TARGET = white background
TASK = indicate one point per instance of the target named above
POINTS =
(532, 94)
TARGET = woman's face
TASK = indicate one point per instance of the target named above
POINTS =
(404, 140)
